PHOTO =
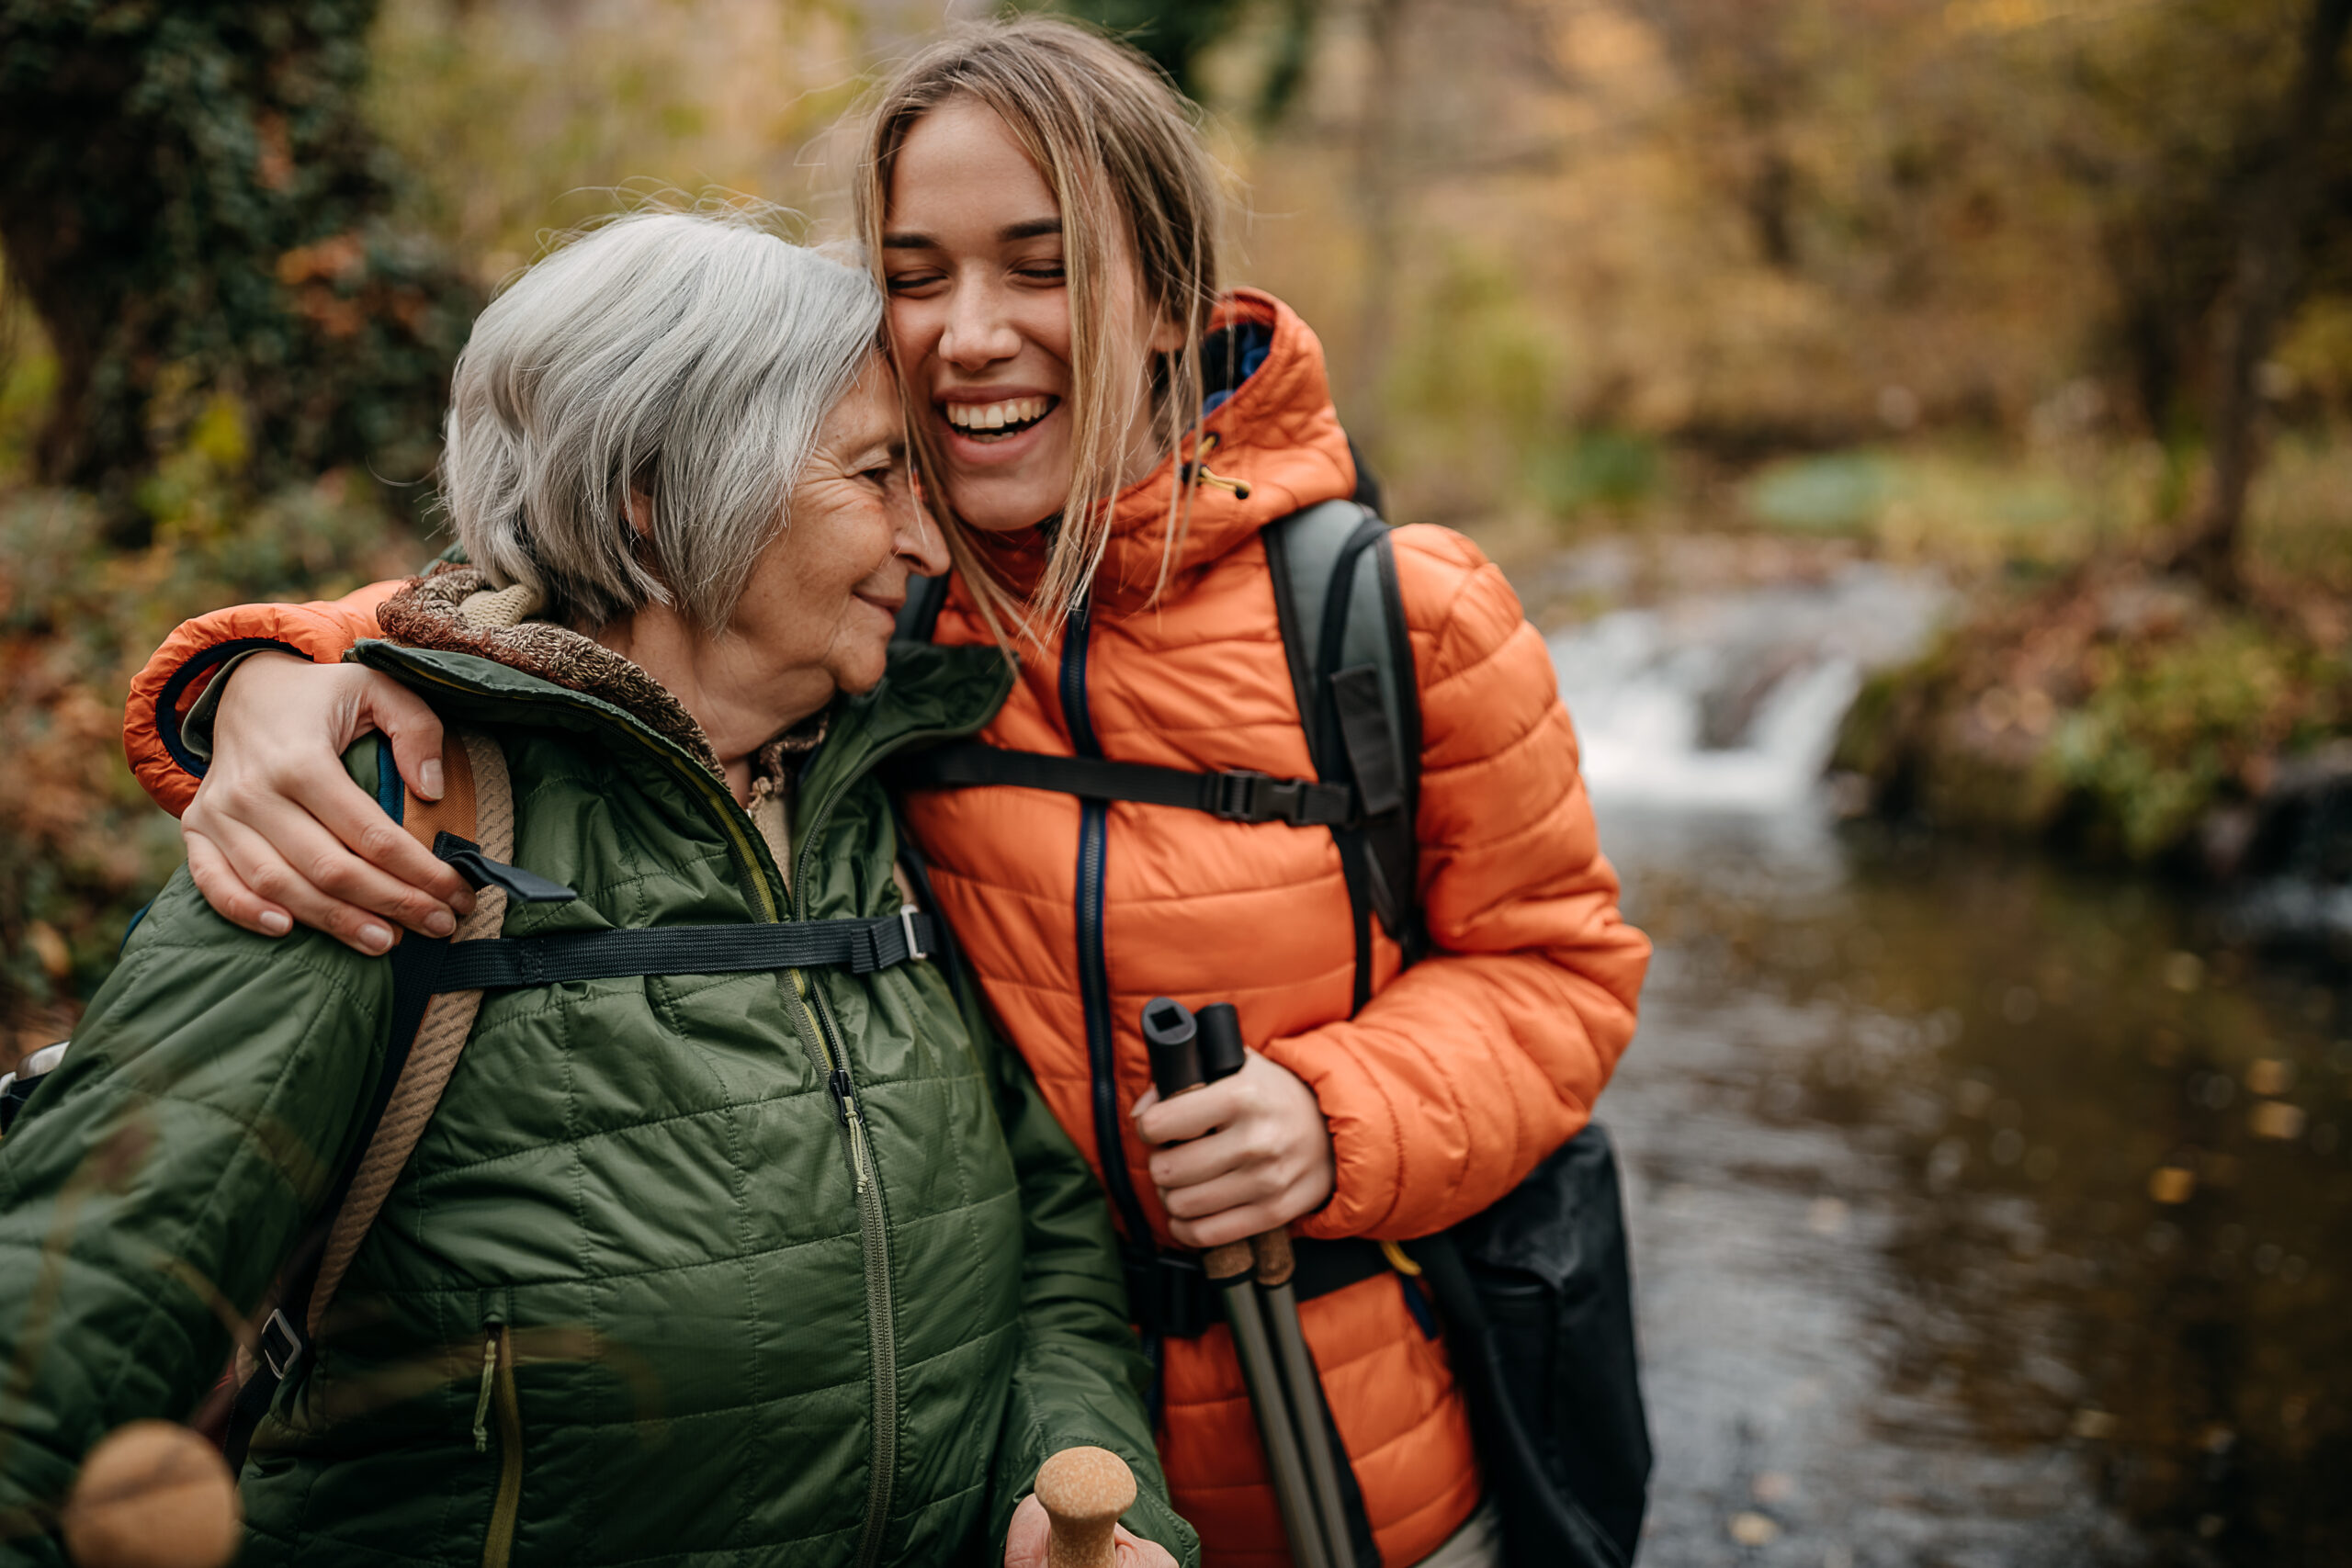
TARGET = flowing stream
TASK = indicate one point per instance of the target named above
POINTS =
(1986, 1210)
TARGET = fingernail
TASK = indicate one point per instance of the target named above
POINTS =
(430, 776)
(374, 939)
(440, 924)
(274, 923)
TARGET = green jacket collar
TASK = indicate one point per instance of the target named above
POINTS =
(928, 692)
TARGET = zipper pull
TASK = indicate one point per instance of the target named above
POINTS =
(845, 1110)
(481, 1404)
(857, 1149)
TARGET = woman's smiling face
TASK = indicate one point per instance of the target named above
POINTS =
(980, 303)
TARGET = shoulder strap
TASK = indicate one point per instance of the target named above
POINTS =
(477, 804)
(1350, 659)
(420, 1050)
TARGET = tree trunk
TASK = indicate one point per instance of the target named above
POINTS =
(192, 202)
(1380, 188)
(2267, 276)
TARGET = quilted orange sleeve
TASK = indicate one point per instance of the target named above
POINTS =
(162, 693)
(1473, 1066)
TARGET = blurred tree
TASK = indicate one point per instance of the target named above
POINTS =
(1174, 33)
(2292, 160)
(193, 204)
(2217, 142)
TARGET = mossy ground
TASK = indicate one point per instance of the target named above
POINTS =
(2103, 701)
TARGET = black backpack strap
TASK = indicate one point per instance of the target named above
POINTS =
(1351, 669)
(919, 617)
(1236, 796)
(862, 946)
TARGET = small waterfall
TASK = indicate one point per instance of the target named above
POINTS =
(1731, 702)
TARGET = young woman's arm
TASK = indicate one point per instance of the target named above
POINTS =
(1479, 1061)
(156, 1182)
(268, 814)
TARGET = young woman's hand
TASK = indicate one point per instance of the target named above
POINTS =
(278, 833)
(1247, 1154)
(1024, 1543)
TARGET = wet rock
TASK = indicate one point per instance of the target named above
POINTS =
(2293, 875)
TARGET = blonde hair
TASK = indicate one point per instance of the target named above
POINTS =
(1119, 148)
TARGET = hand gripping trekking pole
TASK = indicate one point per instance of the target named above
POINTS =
(1178, 1064)
(1084, 1490)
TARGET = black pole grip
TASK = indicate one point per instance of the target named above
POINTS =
(1171, 1034)
(1220, 1048)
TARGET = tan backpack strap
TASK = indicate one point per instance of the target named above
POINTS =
(456, 810)
(483, 811)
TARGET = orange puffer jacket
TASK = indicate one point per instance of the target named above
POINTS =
(1462, 1073)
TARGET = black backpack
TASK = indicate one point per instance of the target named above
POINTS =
(1536, 1293)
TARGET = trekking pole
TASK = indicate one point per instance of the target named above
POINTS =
(152, 1494)
(1084, 1490)
(1221, 1047)
(1178, 1064)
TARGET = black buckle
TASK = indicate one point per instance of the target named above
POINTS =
(1241, 795)
(279, 1346)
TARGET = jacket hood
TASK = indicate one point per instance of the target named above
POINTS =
(1277, 434)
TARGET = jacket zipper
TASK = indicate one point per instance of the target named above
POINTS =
(833, 1060)
(498, 1403)
(1094, 964)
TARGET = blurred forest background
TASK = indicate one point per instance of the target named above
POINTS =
(2053, 295)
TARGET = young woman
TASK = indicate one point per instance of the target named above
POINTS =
(1106, 432)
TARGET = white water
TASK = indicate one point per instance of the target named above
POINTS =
(1731, 702)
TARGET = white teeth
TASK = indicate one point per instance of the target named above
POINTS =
(996, 416)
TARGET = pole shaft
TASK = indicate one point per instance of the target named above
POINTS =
(1260, 1370)
(1305, 1387)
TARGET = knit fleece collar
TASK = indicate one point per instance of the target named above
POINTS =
(453, 609)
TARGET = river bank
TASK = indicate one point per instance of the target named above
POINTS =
(1987, 1209)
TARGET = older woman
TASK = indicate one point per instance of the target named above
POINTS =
(774, 1266)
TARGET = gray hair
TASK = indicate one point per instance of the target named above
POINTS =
(690, 356)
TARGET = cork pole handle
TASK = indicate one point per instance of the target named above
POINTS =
(1084, 1491)
(152, 1495)
(1271, 1253)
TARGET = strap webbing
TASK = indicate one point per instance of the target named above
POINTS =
(862, 946)
(1235, 795)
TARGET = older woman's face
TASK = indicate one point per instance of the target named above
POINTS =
(823, 598)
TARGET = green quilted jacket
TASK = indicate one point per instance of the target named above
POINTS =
(641, 1296)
